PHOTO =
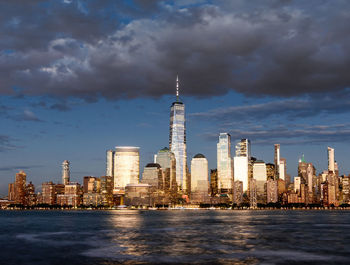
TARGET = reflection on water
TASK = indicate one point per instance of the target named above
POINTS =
(200, 237)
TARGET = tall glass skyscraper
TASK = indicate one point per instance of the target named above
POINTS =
(177, 139)
(224, 164)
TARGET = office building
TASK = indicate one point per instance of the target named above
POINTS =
(152, 175)
(331, 162)
(199, 174)
(260, 177)
(167, 162)
(110, 163)
(11, 192)
(48, 193)
(241, 163)
(224, 164)
(126, 166)
(277, 160)
(107, 190)
(213, 182)
(238, 192)
(272, 191)
(20, 188)
(177, 139)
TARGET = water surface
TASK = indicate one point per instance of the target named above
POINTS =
(182, 236)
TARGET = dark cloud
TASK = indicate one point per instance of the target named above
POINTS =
(123, 49)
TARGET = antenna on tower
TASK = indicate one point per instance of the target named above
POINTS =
(177, 88)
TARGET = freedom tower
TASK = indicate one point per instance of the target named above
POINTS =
(177, 139)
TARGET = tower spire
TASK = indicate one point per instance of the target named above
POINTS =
(177, 88)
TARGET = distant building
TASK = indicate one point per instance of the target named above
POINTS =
(331, 162)
(213, 182)
(126, 166)
(224, 164)
(241, 163)
(91, 184)
(277, 160)
(297, 183)
(199, 174)
(31, 198)
(152, 175)
(72, 195)
(270, 171)
(65, 172)
(110, 163)
(283, 169)
(138, 195)
(272, 192)
(238, 192)
(253, 199)
(107, 190)
(166, 159)
(11, 192)
(260, 177)
(20, 188)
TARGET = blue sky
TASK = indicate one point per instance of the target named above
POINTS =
(78, 78)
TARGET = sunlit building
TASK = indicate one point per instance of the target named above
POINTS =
(241, 162)
(238, 192)
(277, 160)
(107, 190)
(167, 162)
(260, 177)
(199, 174)
(177, 139)
(126, 166)
(331, 162)
(152, 175)
(272, 191)
(11, 192)
(48, 193)
(224, 164)
(110, 163)
(297, 183)
(213, 182)
(20, 188)
(65, 172)
(31, 198)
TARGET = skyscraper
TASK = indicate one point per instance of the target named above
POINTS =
(20, 188)
(331, 162)
(277, 160)
(110, 163)
(241, 160)
(224, 164)
(65, 172)
(177, 139)
(126, 166)
(167, 161)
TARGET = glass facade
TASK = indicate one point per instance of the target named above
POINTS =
(110, 163)
(199, 174)
(224, 164)
(126, 166)
(177, 142)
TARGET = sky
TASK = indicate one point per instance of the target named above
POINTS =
(80, 77)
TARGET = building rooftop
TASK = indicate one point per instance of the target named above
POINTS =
(199, 156)
(153, 165)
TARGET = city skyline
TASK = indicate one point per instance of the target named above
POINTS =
(71, 93)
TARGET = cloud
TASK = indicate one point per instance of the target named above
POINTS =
(288, 134)
(6, 143)
(27, 115)
(291, 108)
(114, 49)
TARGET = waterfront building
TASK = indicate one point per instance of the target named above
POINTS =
(302, 169)
(65, 172)
(260, 177)
(177, 139)
(71, 196)
(152, 175)
(126, 167)
(48, 193)
(241, 163)
(110, 163)
(310, 172)
(213, 182)
(138, 195)
(59, 189)
(166, 159)
(224, 164)
(331, 162)
(199, 174)
(238, 192)
(297, 183)
(283, 169)
(31, 198)
(11, 192)
(91, 184)
(253, 199)
(271, 190)
(107, 190)
(20, 188)
(92, 199)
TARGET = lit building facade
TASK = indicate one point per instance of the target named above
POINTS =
(260, 177)
(20, 188)
(166, 159)
(126, 166)
(110, 163)
(48, 193)
(152, 175)
(65, 172)
(277, 160)
(224, 164)
(331, 162)
(241, 161)
(199, 174)
(177, 139)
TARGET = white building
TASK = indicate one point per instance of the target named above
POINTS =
(110, 163)
(65, 172)
(241, 161)
(297, 183)
(260, 176)
(199, 174)
(331, 166)
(126, 166)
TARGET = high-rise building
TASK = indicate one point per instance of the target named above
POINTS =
(297, 183)
(31, 198)
(241, 162)
(199, 174)
(167, 162)
(238, 192)
(277, 160)
(331, 162)
(126, 166)
(270, 171)
(107, 190)
(11, 192)
(253, 198)
(283, 169)
(65, 172)
(20, 188)
(177, 139)
(110, 163)
(48, 193)
(213, 182)
(224, 164)
(272, 191)
(260, 177)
